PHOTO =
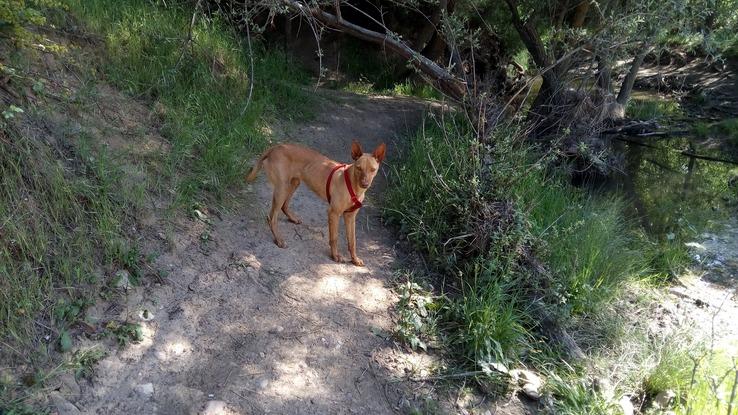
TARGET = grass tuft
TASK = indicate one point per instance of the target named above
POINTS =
(650, 109)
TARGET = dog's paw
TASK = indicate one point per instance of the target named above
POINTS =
(295, 220)
(280, 243)
(357, 261)
(337, 258)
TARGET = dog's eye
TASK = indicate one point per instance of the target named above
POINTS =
(373, 170)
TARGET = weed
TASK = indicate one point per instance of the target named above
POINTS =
(83, 362)
(124, 333)
(573, 396)
(649, 109)
(417, 314)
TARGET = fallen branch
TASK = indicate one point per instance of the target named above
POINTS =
(447, 83)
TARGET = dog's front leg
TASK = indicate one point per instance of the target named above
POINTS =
(333, 218)
(349, 219)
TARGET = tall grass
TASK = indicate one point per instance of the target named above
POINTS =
(58, 227)
(480, 214)
(201, 84)
(649, 109)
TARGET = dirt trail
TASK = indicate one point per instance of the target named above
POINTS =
(267, 330)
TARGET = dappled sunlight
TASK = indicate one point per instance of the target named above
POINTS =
(295, 379)
(335, 284)
(174, 349)
(138, 349)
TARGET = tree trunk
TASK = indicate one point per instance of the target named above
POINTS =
(431, 26)
(450, 85)
(580, 14)
(530, 37)
(635, 66)
(604, 73)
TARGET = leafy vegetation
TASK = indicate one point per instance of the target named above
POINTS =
(15, 15)
(589, 248)
(211, 117)
(581, 238)
(506, 237)
(652, 108)
(68, 203)
(58, 228)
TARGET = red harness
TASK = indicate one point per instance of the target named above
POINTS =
(357, 202)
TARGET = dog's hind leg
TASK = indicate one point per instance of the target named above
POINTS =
(294, 183)
(278, 199)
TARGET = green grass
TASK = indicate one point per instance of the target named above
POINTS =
(66, 204)
(479, 226)
(202, 87)
(700, 378)
(584, 240)
(650, 109)
(63, 219)
(57, 227)
(725, 130)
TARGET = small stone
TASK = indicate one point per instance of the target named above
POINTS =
(626, 405)
(530, 382)
(263, 383)
(664, 398)
(69, 385)
(145, 315)
(63, 406)
(277, 329)
(214, 408)
(122, 279)
(530, 390)
(262, 354)
(144, 390)
(523, 377)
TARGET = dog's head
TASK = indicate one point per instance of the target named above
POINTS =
(366, 164)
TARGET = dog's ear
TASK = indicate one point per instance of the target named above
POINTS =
(379, 152)
(356, 150)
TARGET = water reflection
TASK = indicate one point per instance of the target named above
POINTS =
(673, 195)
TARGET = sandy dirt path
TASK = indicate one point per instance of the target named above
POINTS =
(261, 329)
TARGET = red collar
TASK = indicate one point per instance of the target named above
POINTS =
(357, 202)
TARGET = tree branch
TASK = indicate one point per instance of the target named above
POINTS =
(450, 85)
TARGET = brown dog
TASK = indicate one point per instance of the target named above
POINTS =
(342, 186)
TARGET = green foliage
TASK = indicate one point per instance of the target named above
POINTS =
(201, 87)
(124, 333)
(649, 109)
(700, 378)
(487, 324)
(573, 396)
(417, 315)
(15, 14)
(57, 229)
(481, 214)
(673, 370)
(370, 71)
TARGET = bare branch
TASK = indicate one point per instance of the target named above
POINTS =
(450, 85)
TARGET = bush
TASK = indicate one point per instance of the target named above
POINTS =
(485, 216)
(16, 15)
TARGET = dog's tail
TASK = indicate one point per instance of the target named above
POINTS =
(255, 170)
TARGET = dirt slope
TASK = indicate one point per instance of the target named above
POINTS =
(261, 328)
